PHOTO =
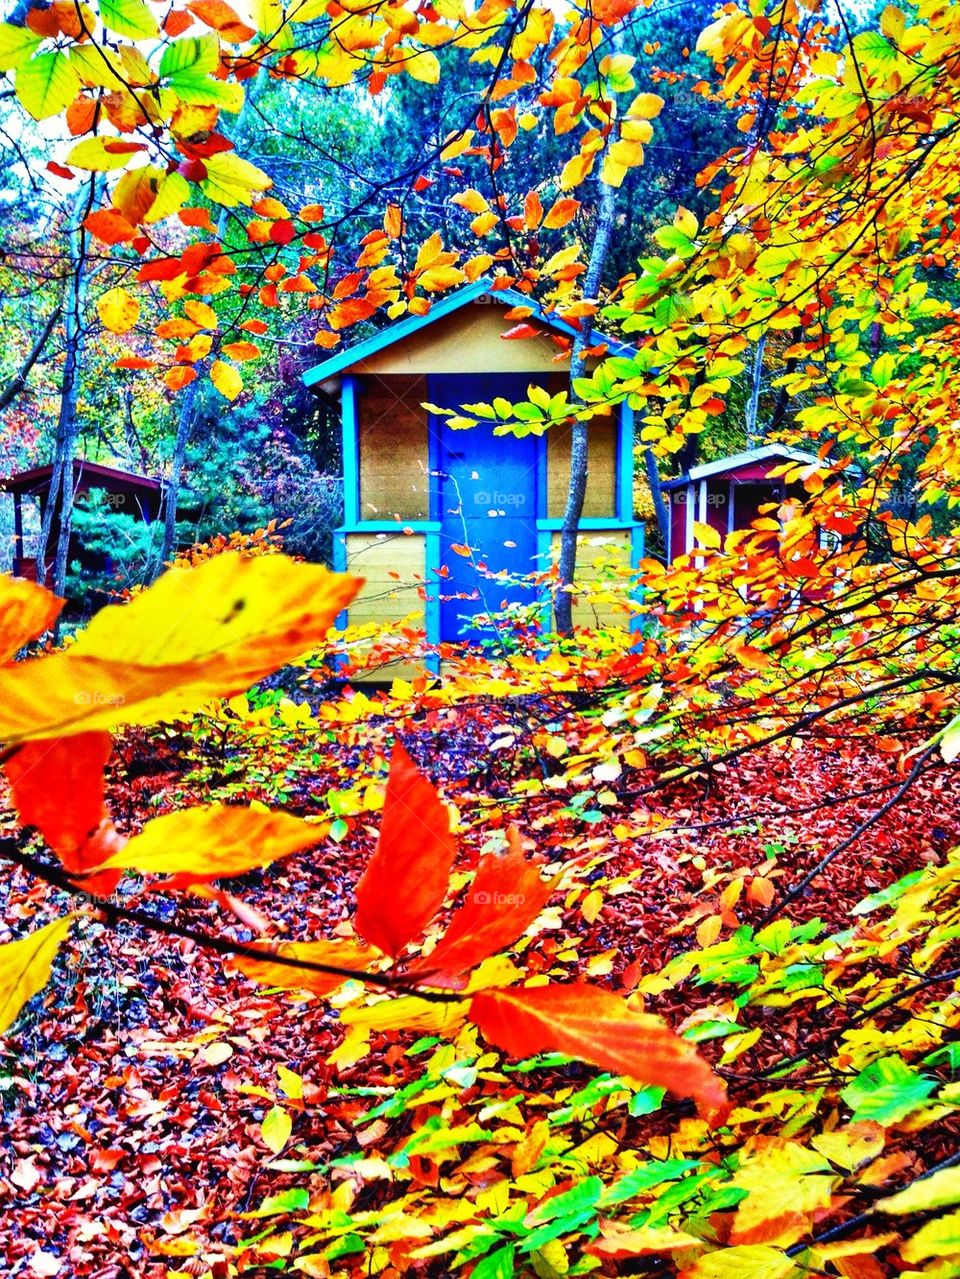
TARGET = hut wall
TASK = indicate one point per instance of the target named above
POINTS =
(595, 551)
(468, 341)
(601, 498)
(394, 568)
(394, 476)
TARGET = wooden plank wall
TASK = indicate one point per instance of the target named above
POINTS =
(386, 598)
(601, 498)
(393, 448)
(594, 550)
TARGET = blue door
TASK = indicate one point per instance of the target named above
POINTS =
(487, 489)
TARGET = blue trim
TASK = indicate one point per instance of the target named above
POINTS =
(625, 463)
(444, 306)
(390, 526)
(431, 592)
(342, 620)
(350, 438)
(541, 492)
(637, 539)
(591, 525)
(544, 561)
(434, 445)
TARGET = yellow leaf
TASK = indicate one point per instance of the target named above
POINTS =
(755, 1262)
(226, 379)
(786, 1184)
(423, 65)
(26, 611)
(591, 905)
(47, 84)
(213, 842)
(645, 106)
(575, 170)
(197, 633)
(200, 313)
(25, 967)
(706, 535)
(276, 1129)
(931, 1192)
(118, 310)
(231, 181)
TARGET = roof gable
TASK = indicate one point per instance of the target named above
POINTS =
(445, 306)
(749, 457)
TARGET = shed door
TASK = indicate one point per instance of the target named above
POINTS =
(487, 495)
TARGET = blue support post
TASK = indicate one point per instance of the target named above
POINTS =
(350, 437)
(625, 433)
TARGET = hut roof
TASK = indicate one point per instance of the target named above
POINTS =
(444, 306)
(737, 461)
(97, 475)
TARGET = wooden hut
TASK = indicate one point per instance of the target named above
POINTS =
(128, 493)
(418, 492)
(727, 494)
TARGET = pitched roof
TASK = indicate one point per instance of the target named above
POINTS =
(447, 305)
(38, 476)
(748, 457)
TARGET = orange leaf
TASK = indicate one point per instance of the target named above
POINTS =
(406, 880)
(339, 954)
(754, 659)
(506, 896)
(561, 213)
(393, 220)
(177, 379)
(350, 312)
(242, 351)
(458, 548)
(109, 226)
(26, 611)
(532, 211)
(761, 891)
(219, 15)
(599, 1027)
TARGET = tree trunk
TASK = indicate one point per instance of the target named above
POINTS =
(656, 492)
(753, 403)
(171, 491)
(19, 380)
(563, 600)
(61, 494)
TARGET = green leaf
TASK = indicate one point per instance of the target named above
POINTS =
(129, 18)
(276, 1129)
(580, 1198)
(47, 84)
(16, 45)
(294, 1200)
(198, 55)
(887, 1091)
(200, 90)
(497, 1265)
(673, 240)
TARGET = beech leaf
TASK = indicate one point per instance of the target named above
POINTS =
(599, 1027)
(25, 967)
(406, 879)
(213, 842)
(196, 633)
(506, 896)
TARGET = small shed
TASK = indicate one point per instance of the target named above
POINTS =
(129, 493)
(726, 494)
(417, 492)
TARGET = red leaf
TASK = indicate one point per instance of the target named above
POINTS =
(599, 1027)
(506, 896)
(406, 881)
(521, 331)
(58, 787)
(110, 226)
(60, 170)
